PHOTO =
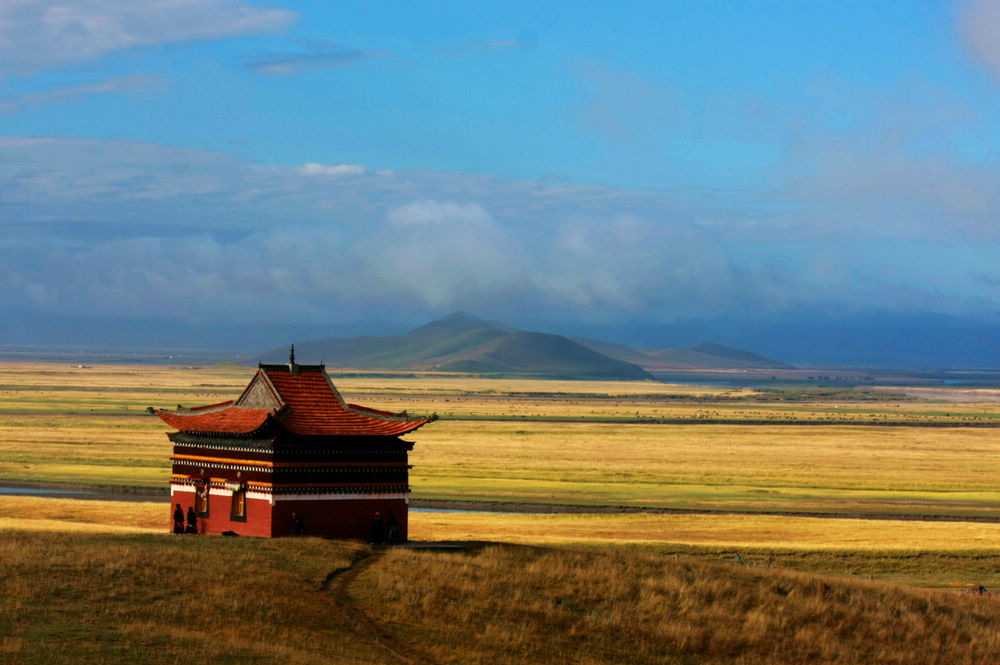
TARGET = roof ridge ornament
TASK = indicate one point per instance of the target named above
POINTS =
(292, 367)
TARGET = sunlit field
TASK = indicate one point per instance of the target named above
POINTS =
(128, 389)
(715, 530)
(103, 581)
(554, 442)
(683, 525)
(103, 598)
(836, 469)
(759, 485)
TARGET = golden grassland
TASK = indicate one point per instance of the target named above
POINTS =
(119, 389)
(693, 534)
(466, 397)
(124, 389)
(38, 513)
(845, 469)
(91, 450)
(111, 598)
(551, 606)
(61, 424)
(102, 581)
(83, 598)
(719, 467)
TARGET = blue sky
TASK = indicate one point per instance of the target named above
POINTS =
(622, 165)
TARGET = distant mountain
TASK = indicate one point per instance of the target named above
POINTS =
(461, 342)
(704, 355)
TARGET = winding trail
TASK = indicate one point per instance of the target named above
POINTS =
(338, 584)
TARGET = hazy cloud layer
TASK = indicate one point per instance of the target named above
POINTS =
(979, 28)
(492, 46)
(624, 107)
(315, 168)
(71, 93)
(290, 64)
(127, 228)
(36, 35)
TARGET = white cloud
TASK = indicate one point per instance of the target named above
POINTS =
(624, 107)
(443, 254)
(36, 35)
(314, 168)
(898, 171)
(979, 29)
(440, 214)
(629, 263)
(71, 93)
(472, 49)
(290, 64)
(91, 226)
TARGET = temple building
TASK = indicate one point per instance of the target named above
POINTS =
(291, 456)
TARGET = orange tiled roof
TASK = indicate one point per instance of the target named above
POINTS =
(314, 406)
(230, 420)
(206, 407)
(306, 403)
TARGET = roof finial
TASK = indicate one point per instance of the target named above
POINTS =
(291, 356)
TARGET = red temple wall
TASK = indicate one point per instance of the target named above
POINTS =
(339, 518)
(220, 505)
(327, 518)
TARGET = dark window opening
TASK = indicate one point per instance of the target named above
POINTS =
(201, 500)
(239, 510)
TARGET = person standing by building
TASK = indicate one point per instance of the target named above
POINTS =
(192, 522)
(391, 527)
(378, 530)
(178, 519)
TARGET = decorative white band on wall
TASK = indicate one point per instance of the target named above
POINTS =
(272, 498)
(339, 497)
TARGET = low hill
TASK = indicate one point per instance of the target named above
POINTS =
(465, 343)
(106, 598)
(704, 355)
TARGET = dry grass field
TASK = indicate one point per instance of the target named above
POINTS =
(755, 575)
(78, 598)
(717, 532)
(807, 469)
(62, 424)
(555, 606)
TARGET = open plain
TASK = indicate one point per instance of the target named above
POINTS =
(599, 522)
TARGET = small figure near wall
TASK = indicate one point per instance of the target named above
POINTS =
(378, 530)
(192, 522)
(297, 524)
(391, 528)
(178, 519)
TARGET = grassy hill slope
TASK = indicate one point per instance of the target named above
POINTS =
(523, 353)
(463, 343)
(704, 355)
(81, 599)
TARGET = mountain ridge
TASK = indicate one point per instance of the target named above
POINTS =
(703, 355)
(462, 342)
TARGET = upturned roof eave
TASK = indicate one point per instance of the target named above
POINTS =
(292, 415)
